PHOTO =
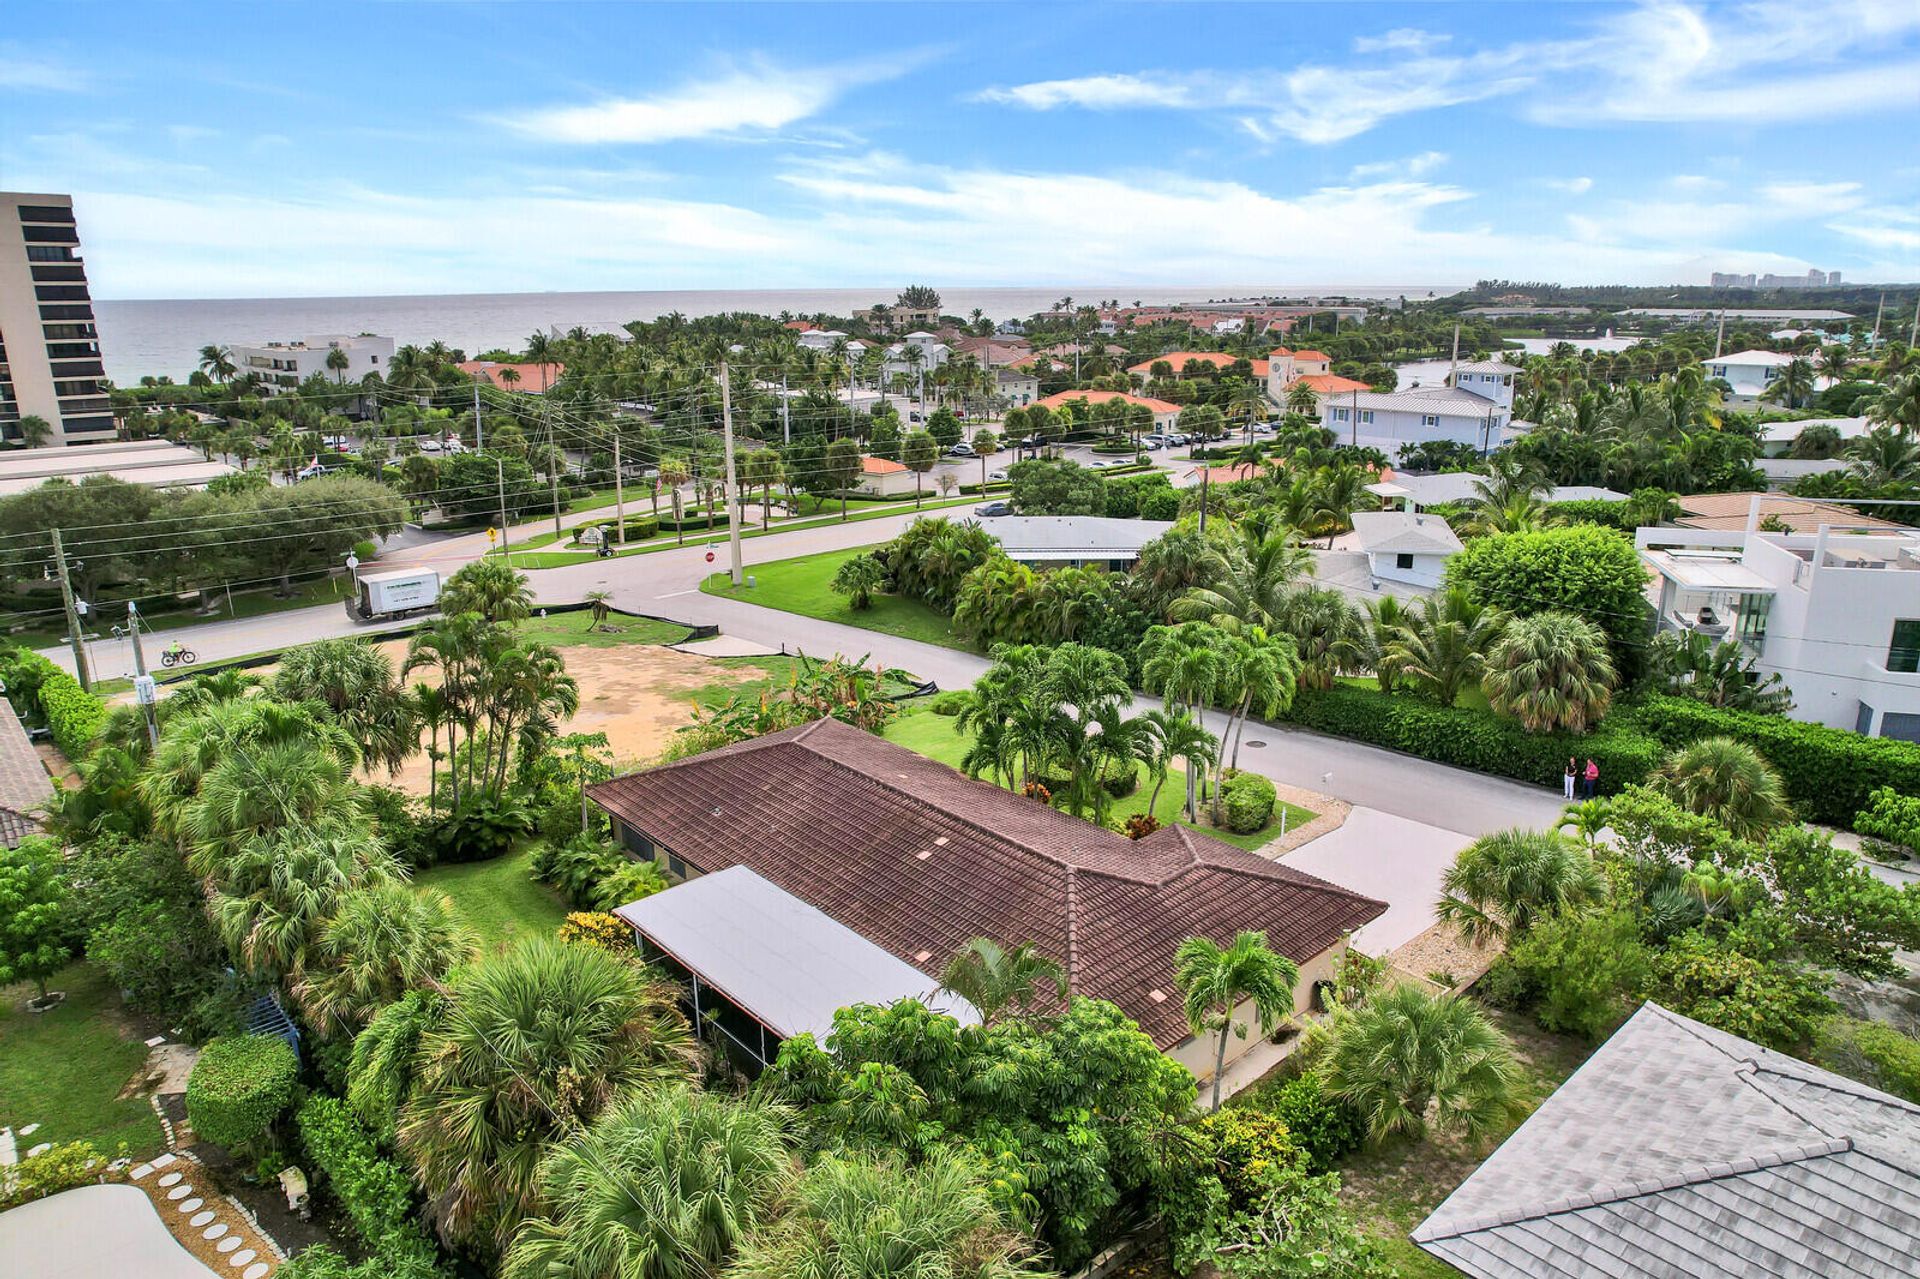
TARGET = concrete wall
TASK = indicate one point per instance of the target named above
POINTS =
(1196, 1053)
(1427, 570)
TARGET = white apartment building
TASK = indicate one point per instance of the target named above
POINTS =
(50, 365)
(283, 366)
(1474, 411)
(1835, 613)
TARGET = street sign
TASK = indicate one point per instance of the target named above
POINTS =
(709, 557)
(493, 535)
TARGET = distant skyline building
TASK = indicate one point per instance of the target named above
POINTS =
(49, 345)
(1813, 279)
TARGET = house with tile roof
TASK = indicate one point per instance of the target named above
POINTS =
(1178, 361)
(1680, 1150)
(1285, 368)
(528, 379)
(1165, 415)
(883, 477)
(919, 859)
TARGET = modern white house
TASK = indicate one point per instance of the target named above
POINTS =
(1777, 438)
(1406, 492)
(1404, 547)
(1750, 373)
(1834, 612)
(823, 340)
(1074, 541)
(1388, 419)
(283, 366)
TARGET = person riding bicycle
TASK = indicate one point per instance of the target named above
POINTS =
(174, 650)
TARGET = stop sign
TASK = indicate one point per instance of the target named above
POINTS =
(709, 557)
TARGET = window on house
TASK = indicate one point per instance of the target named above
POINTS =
(1431, 419)
(1366, 415)
(1903, 653)
(1403, 560)
(1339, 415)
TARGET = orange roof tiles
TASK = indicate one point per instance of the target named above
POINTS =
(1330, 383)
(1312, 355)
(532, 377)
(879, 466)
(1055, 400)
(1178, 359)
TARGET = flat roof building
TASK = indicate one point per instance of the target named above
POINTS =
(283, 366)
(50, 365)
(155, 463)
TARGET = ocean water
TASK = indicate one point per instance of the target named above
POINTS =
(164, 337)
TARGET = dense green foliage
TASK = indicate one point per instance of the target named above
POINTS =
(1248, 800)
(1591, 572)
(1321, 1127)
(1871, 1052)
(1062, 1112)
(36, 916)
(374, 1190)
(1892, 817)
(45, 694)
(63, 1167)
(239, 1086)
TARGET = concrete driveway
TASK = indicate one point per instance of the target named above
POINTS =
(1394, 859)
(94, 1232)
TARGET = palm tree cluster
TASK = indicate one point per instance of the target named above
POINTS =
(1666, 434)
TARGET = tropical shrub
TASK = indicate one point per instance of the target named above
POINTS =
(145, 920)
(1830, 773)
(36, 913)
(1140, 825)
(239, 1086)
(594, 928)
(1323, 1128)
(1551, 672)
(479, 830)
(73, 1163)
(1872, 1052)
(950, 702)
(375, 1191)
(1742, 986)
(1246, 1148)
(1893, 818)
(857, 579)
(74, 716)
(1475, 739)
(1298, 1228)
(1585, 969)
(1726, 782)
(1248, 800)
(628, 881)
(1404, 1052)
(1592, 572)
(1503, 883)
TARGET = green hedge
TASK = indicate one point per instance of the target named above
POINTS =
(1831, 773)
(75, 717)
(1474, 739)
(239, 1086)
(375, 1191)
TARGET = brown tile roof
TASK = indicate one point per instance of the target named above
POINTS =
(1728, 511)
(1330, 383)
(1178, 359)
(880, 466)
(920, 859)
(1058, 398)
(25, 787)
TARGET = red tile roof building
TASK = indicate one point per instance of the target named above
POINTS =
(532, 378)
(920, 859)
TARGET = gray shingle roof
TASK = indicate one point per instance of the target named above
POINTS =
(1391, 532)
(1680, 1150)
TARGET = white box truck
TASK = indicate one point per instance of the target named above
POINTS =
(377, 596)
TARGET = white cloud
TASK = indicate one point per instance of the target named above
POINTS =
(1400, 38)
(1571, 186)
(20, 69)
(756, 98)
(1412, 166)
(1763, 62)
(1884, 228)
(1099, 93)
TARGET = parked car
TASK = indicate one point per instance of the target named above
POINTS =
(1155, 441)
(990, 509)
(1180, 441)
(429, 445)
(996, 477)
(1098, 465)
(962, 449)
(311, 471)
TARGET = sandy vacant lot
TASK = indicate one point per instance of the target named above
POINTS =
(637, 694)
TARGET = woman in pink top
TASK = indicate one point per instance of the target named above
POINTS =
(1593, 776)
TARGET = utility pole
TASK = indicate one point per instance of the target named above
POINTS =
(143, 687)
(786, 411)
(553, 473)
(619, 490)
(1878, 311)
(1206, 466)
(479, 437)
(1353, 435)
(580, 757)
(500, 477)
(73, 615)
(1720, 335)
(733, 498)
(1453, 365)
(1913, 330)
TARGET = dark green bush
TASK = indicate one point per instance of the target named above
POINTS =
(238, 1088)
(951, 702)
(478, 831)
(1873, 1053)
(1322, 1128)
(1831, 773)
(375, 1191)
(74, 716)
(1248, 801)
(1475, 739)
(1590, 511)
(1506, 985)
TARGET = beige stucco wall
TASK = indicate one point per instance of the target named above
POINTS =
(1196, 1054)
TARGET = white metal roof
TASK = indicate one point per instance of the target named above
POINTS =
(1072, 537)
(1707, 573)
(1401, 532)
(784, 963)
(1767, 359)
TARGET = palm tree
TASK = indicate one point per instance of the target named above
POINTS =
(1443, 641)
(1795, 385)
(1175, 735)
(868, 1218)
(491, 588)
(337, 361)
(666, 1185)
(217, 362)
(599, 604)
(1550, 671)
(1404, 1052)
(995, 979)
(1325, 629)
(382, 941)
(354, 680)
(1250, 584)
(1500, 884)
(35, 431)
(276, 892)
(532, 1045)
(1885, 456)
(1214, 981)
(1728, 781)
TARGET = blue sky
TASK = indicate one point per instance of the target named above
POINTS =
(341, 148)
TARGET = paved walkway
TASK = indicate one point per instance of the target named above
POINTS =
(93, 1232)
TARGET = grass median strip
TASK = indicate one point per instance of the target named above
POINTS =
(802, 586)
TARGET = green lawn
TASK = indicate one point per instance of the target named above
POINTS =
(925, 733)
(801, 586)
(576, 630)
(64, 1069)
(500, 899)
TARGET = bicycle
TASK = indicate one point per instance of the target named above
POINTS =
(180, 657)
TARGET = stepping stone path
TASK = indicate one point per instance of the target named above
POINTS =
(40, 1149)
(27, 1130)
(228, 1240)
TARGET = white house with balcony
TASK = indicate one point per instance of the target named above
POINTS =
(1835, 613)
(1475, 411)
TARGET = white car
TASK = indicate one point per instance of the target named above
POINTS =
(1155, 441)
(962, 449)
(996, 477)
